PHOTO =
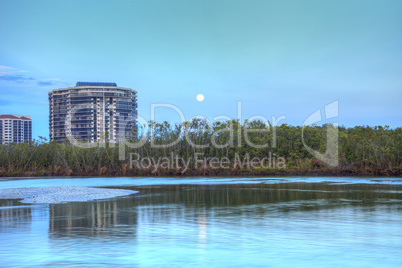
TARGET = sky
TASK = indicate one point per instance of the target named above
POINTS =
(276, 58)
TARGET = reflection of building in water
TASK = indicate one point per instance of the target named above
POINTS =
(91, 218)
(202, 228)
(12, 215)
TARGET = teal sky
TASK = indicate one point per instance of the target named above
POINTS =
(276, 57)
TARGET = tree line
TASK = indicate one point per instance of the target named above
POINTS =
(361, 150)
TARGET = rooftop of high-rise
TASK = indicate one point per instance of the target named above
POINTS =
(96, 84)
(15, 116)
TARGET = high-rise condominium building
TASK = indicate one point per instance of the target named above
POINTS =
(15, 128)
(92, 111)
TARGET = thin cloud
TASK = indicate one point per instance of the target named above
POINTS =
(11, 74)
(46, 83)
(7, 70)
(8, 73)
(16, 78)
(51, 82)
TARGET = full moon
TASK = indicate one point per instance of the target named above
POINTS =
(200, 97)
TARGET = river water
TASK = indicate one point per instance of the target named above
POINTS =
(214, 222)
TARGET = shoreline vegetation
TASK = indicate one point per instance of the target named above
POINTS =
(252, 149)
